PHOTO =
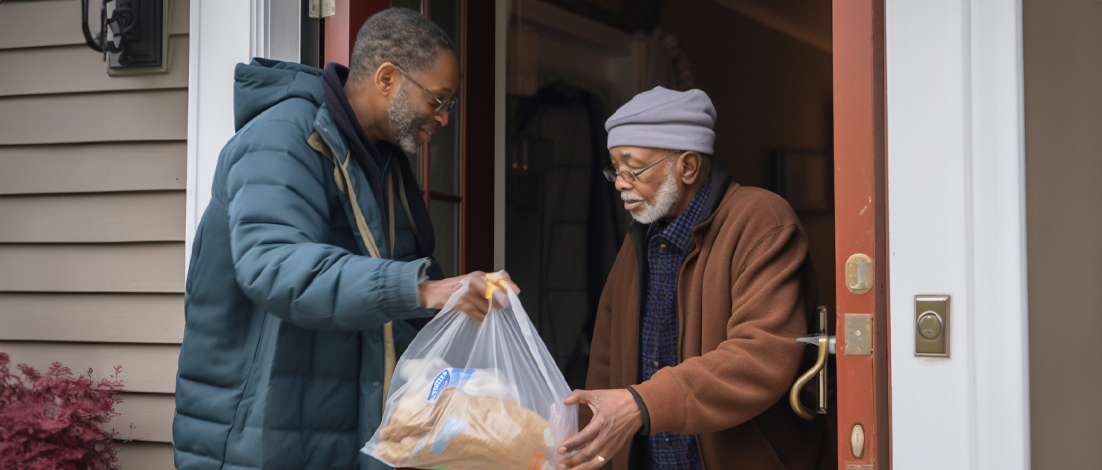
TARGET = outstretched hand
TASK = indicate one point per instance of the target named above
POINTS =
(473, 302)
(616, 417)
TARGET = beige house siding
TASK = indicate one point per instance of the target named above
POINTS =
(92, 201)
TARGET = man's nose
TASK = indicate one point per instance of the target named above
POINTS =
(622, 184)
(442, 118)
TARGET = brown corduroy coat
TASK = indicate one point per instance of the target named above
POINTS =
(741, 306)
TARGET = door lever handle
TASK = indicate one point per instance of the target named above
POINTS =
(832, 342)
(827, 345)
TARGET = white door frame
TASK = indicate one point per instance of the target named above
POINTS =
(224, 33)
(956, 225)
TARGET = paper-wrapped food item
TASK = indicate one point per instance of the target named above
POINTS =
(501, 410)
(460, 431)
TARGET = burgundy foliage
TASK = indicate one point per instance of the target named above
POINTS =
(54, 420)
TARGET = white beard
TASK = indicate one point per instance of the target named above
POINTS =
(664, 200)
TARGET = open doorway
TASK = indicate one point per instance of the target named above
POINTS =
(767, 67)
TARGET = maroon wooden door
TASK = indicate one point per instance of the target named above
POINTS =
(861, 235)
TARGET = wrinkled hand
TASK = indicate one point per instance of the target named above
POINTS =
(434, 294)
(616, 417)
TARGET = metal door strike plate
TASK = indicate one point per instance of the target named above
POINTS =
(932, 325)
(858, 334)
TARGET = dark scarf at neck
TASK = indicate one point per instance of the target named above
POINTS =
(370, 157)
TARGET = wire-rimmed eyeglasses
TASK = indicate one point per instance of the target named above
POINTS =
(630, 176)
(444, 106)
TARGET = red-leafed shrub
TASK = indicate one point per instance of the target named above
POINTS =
(53, 420)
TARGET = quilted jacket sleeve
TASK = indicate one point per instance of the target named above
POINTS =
(279, 220)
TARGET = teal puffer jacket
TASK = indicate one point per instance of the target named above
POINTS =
(282, 359)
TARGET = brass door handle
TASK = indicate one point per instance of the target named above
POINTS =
(818, 368)
(826, 345)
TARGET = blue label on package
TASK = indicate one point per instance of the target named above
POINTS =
(448, 378)
(452, 427)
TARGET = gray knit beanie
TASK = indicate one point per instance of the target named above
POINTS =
(665, 119)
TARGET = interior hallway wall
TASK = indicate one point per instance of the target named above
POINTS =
(771, 92)
(1062, 45)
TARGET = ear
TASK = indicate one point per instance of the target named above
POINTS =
(386, 79)
(690, 167)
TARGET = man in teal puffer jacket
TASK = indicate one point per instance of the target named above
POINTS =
(312, 255)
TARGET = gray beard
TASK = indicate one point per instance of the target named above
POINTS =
(404, 118)
(664, 200)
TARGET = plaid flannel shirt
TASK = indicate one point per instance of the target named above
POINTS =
(658, 342)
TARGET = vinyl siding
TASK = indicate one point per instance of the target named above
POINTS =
(92, 201)
(90, 168)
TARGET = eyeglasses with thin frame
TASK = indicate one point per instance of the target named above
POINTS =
(630, 176)
(444, 106)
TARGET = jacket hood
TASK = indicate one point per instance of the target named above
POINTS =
(263, 83)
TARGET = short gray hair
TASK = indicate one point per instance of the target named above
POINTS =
(400, 36)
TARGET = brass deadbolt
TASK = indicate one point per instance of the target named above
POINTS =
(929, 325)
(932, 325)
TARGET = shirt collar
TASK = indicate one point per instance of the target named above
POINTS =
(678, 231)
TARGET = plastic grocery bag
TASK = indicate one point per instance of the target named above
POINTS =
(475, 395)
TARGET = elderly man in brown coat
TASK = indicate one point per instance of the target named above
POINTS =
(694, 347)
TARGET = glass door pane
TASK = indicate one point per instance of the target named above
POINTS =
(445, 219)
(411, 4)
(444, 149)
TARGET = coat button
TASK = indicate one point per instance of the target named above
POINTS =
(375, 384)
(655, 363)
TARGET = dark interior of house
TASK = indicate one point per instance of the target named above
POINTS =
(766, 65)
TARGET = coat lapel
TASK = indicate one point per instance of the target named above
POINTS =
(328, 141)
